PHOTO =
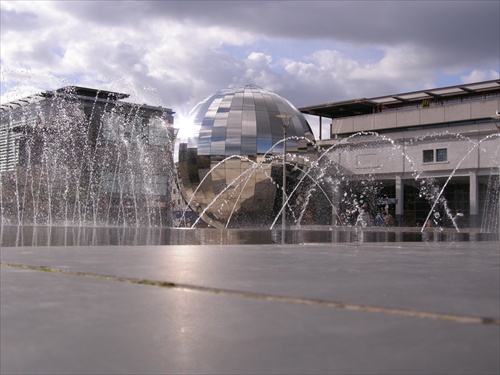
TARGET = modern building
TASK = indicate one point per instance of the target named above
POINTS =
(416, 154)
(231, 166)
(82, 156)
(77, 155)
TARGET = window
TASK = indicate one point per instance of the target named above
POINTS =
(442, 154)
(428, 156)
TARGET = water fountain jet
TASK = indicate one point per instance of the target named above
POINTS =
(319, 181)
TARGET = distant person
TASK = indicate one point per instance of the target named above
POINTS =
(379, 220)
(342, 220)
(388, 219)
(364, 219)
(459, 219)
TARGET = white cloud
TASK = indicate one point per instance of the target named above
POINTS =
(480, 75)
(177, 53)
(258, 70)
(406, 64)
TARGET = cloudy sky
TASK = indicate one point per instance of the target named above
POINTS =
(176, 53)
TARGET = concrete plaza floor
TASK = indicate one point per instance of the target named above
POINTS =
(338, 308)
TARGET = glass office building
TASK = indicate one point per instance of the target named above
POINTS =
(80, 156)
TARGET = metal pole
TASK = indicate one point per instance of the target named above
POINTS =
(283, 216)
(496, 119)
(286, 122)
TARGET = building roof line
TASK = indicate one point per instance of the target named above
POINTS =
(358, 106)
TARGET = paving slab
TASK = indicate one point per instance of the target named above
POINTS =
(460, 278)
(399, 308)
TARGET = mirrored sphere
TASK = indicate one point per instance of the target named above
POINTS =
(230, 167)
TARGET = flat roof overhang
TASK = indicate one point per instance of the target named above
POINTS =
(365, 106)
(87, 92)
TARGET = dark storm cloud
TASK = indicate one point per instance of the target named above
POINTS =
(107, 13)
(307, 51)
(449, 29)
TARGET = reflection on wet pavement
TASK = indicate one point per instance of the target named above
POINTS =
(127, 236)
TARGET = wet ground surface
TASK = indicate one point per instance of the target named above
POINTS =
(125, 236)
(393, 307)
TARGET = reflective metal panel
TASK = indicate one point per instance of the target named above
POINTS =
(237, 124)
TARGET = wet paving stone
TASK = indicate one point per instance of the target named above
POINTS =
(336, 308)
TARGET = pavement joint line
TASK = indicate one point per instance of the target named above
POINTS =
(454, 318)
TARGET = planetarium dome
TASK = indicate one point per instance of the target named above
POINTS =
(230, 165)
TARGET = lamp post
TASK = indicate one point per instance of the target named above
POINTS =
(496, 119)
(286, 122)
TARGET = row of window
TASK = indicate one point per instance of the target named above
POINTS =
(151, 130)
(437, 155)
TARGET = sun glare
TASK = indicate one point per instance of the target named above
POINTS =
(185, 124)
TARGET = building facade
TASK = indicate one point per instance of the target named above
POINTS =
(417, 155)
(83, 156)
